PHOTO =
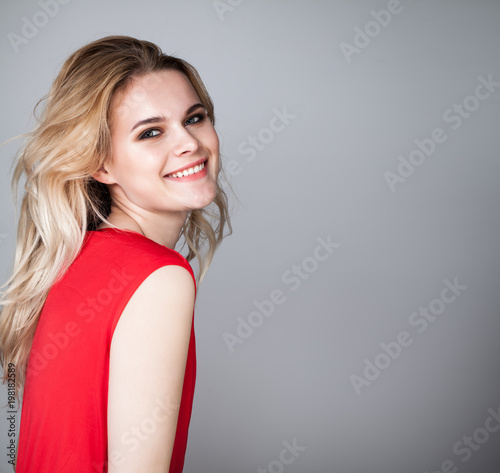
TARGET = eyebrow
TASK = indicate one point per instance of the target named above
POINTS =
(157, 119)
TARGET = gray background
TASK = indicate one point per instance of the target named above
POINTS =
(320, 176)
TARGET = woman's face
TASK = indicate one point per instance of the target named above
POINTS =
(164, 148)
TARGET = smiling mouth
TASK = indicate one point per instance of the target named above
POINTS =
(188, 171)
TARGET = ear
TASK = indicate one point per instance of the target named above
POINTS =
(103, 176)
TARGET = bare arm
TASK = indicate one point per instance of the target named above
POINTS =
(147, 365)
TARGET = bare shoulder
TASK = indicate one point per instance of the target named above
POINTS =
(166, 282)
(164, 296)
(147, 365)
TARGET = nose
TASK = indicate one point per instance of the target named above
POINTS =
(184, 143)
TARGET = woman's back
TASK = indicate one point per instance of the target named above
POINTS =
(64, 423)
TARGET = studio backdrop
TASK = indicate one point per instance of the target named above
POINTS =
(351, 323)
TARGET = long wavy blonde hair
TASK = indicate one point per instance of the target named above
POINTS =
(62, 201)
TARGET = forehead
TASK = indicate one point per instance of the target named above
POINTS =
(156, 93)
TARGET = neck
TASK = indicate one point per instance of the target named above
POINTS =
(165, 231)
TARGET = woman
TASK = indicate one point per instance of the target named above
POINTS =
(97, 317)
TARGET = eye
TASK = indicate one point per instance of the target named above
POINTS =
(149, 134)
(199, 117)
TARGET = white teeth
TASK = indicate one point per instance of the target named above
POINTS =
(188, 172)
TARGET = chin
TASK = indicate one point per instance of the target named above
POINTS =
(202, 199)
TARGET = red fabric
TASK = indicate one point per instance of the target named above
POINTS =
(64, 414)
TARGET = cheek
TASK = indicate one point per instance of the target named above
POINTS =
(131, 163)
(213, 145)
(216, 141)
(211, 139)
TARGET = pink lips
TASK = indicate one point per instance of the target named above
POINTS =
(189, 177)
(192, 165)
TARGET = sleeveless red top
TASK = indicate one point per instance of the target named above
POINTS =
(64, 414)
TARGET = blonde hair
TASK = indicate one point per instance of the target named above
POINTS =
(62, 201)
